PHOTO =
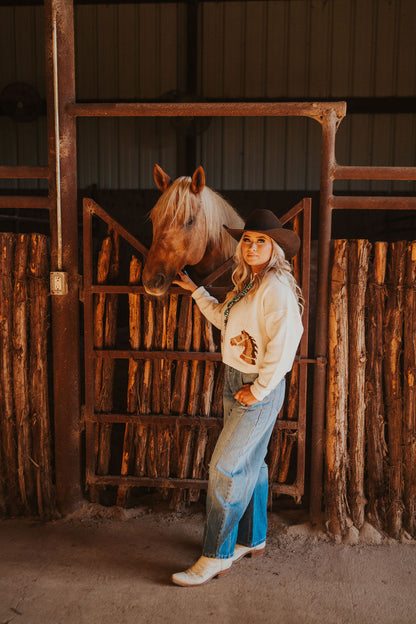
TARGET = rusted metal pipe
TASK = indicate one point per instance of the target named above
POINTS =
(24, 172)
(372, 203)
(329, 125)
(25, 201)
(341, 172)
(64, 308)
(316, 110)
(90, 427)
(93, 208)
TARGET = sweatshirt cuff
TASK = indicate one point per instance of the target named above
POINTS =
(198, 292)
(258, 392)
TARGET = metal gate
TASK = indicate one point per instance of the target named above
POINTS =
(169, 448)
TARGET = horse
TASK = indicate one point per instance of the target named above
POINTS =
(247, 342)
(188, 230)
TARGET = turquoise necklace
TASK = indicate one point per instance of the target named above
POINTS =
(235, 300)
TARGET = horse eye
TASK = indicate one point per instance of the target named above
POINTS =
(190, 222)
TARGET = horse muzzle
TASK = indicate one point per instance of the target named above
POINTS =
(157, 284)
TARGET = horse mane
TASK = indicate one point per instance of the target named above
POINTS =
(174, 206)
(251, 340)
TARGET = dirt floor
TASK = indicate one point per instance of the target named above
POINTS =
(111, 566)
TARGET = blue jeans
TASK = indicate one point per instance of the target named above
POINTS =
(238, 475)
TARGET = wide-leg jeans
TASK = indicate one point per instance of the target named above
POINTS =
(238, 475)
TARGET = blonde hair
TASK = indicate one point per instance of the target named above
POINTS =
(175, 206)
(277, 264)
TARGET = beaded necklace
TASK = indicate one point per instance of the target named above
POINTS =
(235, 300)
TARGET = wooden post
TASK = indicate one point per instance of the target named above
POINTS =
(196, 367)
(21, 393)
(148, 331)
(143, 434)
(358, 258)
(374, 415)
(179, 394)
(217, 401)
(155, 439)
(105, 332)
(337, 393)
(162, 387)
(7, 421)
(409, 392)
(209, 374)
(133, 394)
(185, 438)
(393, 337)
(158, 365)
(38, 373)
(198, 460)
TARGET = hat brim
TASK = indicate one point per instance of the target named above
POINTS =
(288, 240)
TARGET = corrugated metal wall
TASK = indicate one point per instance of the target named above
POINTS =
(127, 52)
(22, 59)
(277, 49)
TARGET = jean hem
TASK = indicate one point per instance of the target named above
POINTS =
(252, 545)
(216, 556)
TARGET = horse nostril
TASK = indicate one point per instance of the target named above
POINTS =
(158, 280)
(155, 284)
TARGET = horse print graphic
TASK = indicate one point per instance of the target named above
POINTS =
(248, 343)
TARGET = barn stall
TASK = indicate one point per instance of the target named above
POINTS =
(64, 307)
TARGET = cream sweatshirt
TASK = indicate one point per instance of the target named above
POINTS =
(262, 333)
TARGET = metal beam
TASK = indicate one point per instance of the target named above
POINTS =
(329, 127)
(27, 173)
(25, 201)
(315, 110)
(64, 257)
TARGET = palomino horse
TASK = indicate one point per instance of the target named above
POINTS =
(187, 230)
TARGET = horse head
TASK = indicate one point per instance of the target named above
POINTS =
(185, 221)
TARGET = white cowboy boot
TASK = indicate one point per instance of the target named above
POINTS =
(252, 551)
(205, 569)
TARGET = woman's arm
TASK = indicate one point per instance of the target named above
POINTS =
(208, 305)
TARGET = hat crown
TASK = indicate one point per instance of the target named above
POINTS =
(265, 221)
(262, 220)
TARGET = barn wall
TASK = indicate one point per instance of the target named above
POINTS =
(277, 49)
(22, 59)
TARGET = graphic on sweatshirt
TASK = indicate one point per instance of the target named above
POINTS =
(249, 346)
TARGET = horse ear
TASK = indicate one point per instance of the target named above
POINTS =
(161, 178)
(198, 181)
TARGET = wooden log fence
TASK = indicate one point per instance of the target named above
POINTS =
(374, 411)
(393, 344)
(26, 465)
(409, 392)
(336, 427)
(105, 335)
(371, 428)
(358, 257)
(176, 404)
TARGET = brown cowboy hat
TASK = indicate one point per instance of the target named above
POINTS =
(265, 222)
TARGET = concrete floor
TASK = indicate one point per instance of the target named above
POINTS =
(109, 566)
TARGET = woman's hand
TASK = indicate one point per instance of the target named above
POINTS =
(185, 282)
(245, 396)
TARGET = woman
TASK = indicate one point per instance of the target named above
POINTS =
(260, 323)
